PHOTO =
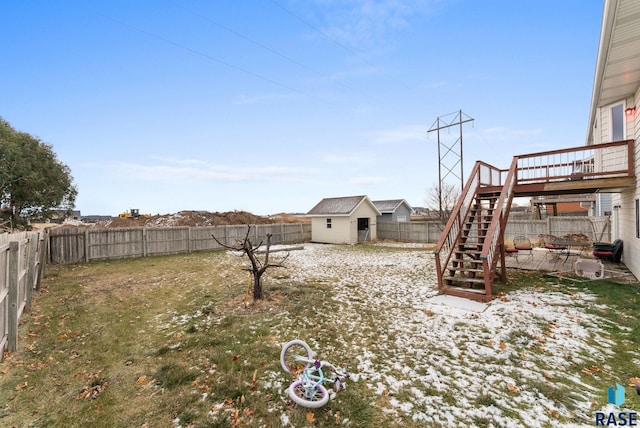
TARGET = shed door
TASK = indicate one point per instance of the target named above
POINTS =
(363, 229)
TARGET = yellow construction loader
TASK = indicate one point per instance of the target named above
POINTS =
(133, 213)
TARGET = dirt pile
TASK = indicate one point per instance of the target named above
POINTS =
(203, 218)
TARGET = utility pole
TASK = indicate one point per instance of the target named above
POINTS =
(450, 120)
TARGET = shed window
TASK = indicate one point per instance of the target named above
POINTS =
(328, 223)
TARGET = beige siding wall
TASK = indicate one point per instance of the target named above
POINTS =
(624, 217)
(338, 234)
(344, 230)
(602, 133)
(364, 211)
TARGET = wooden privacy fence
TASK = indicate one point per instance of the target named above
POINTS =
(414, 231)
(22, 260)
(74, 245)
(596, 229)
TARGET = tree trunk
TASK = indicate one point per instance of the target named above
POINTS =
(257, 285)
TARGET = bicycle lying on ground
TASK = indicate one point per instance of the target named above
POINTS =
(307, 389)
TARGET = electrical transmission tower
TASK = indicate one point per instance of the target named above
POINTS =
(448, 158)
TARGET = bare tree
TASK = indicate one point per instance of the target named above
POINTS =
(258, 267)
(443, 199)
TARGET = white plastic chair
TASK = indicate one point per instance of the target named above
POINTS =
(589, 268)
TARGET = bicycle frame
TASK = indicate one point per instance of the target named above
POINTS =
(308, 387)
(315, 375)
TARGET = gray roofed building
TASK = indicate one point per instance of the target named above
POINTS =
(337, 206)
(393, 210)
(344, 220)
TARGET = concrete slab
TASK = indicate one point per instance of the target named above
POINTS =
(458, 303)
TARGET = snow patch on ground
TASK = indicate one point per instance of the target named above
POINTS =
(438, 358)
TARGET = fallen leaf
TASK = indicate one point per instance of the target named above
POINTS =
(337, 418)
(513, 388)
(253, 383)
(4, 370)
(141, 380)
(311, 418)
(503, 345)
(490, 342)
(385, 392)
(633, 381)
(548, 375)
(249, 411)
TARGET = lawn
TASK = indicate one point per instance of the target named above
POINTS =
(173, 341)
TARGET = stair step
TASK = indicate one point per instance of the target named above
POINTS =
(465, 279)
(452, 270)
(466, 290)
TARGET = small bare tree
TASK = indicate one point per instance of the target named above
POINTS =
(443, 199)
(258, 267)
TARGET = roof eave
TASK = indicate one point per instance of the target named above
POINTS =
(608, 19)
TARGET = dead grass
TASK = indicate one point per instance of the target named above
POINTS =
(161, 342)
(173, 341)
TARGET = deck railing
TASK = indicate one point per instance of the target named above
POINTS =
(585, 162)
(482, 175)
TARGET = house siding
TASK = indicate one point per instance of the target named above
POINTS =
(623, 212)
(364, 210)
(338, 234)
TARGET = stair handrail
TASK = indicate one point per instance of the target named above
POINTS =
(495, 233)
(451, 232)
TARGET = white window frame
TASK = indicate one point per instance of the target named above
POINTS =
(621, 104)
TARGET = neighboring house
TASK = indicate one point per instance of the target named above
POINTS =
(394, 210)
(346, 220)
(615, 112)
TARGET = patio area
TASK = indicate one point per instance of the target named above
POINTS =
(562, 263)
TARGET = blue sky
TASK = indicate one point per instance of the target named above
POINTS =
(271, 105)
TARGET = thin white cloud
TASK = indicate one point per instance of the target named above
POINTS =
(367, 23)
(201, 171)
(367, 180)
(357, 159)
(245, 99)
(434, 85)
(403, 134)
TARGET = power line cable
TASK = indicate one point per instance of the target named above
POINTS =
(202, 54)
(263, 46)
(317, 30)
(247, 38)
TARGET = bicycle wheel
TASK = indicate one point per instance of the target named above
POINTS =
(306, 394)
(291, 350)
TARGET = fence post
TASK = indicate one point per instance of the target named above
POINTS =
(43, 248)
(14, 268)
(86, 246)
(144, 242)
(31, 269)
(188, 239)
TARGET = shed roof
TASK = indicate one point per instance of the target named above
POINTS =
(390, 205)
(340, 206)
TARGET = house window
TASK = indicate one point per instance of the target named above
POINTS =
(637, 218)
(617, 122)
(328, 223)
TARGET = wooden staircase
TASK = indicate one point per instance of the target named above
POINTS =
(472, 243)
